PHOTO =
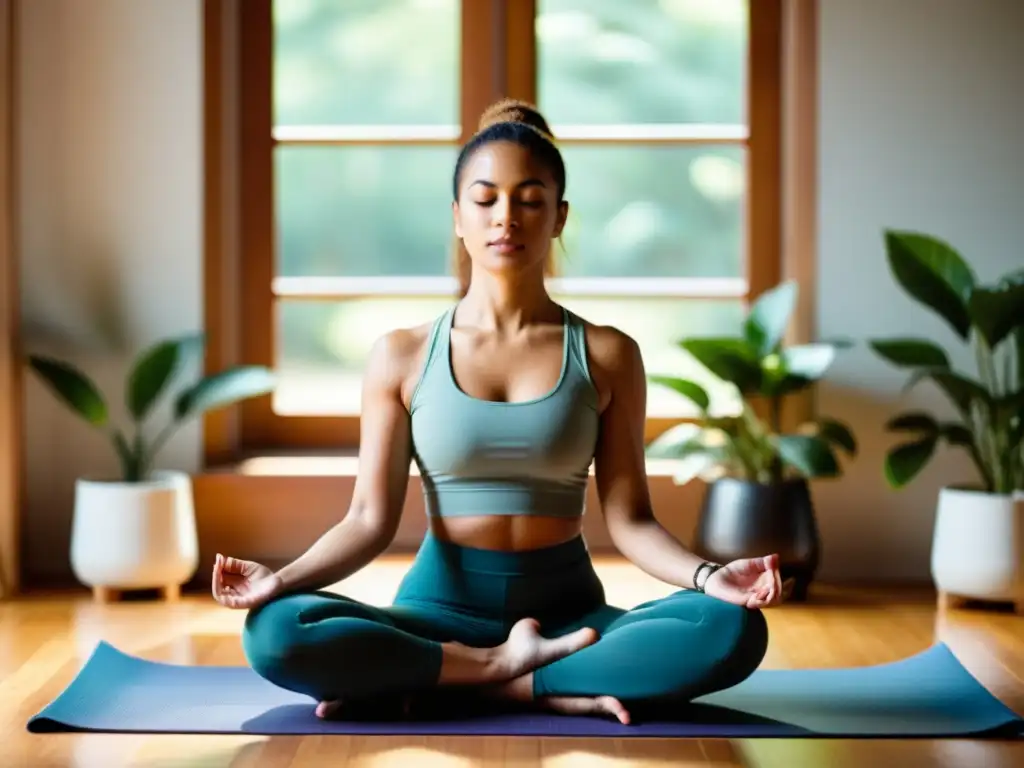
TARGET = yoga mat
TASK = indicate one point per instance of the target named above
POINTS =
(926, 695)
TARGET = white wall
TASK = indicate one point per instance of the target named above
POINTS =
(109, 126)
(921, 108)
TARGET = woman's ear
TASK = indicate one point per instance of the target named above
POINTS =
(563, 214)
(455, 218)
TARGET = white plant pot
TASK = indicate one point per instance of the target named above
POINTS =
(978, 545)
(135, 535)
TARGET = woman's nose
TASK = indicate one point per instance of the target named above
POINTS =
(504, 214)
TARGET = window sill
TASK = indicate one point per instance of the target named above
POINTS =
(272, 507)
(346, 464)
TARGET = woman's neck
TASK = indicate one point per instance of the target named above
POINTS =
(498, 304)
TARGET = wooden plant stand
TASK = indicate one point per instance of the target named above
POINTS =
(170, 593)
(949, 601)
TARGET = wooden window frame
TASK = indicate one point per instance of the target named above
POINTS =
(11, 378)
(239, 230)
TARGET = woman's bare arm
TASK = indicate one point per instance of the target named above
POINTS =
(384, 456)
(620, 467)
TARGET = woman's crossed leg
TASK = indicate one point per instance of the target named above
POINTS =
(676, 648)
(337, 650)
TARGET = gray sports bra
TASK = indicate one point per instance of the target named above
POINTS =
(483, 457)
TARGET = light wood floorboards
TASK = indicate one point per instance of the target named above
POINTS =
(45, 638)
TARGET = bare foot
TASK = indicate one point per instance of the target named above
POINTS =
(325, 710)
(525, 650)
(586, 705)
(521, 690)
(328, 710)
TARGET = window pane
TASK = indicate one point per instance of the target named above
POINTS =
(654, 211)
(642, 61)
(657, 324)
(324, 345)
(366, 62)
(364, 211)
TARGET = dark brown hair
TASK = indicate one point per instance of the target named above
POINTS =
(519, 123)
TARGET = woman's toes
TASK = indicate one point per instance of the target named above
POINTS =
(589, 705)
(613, 707)
(326, 709)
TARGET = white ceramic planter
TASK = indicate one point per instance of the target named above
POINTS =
(978, 545)
(135, 535)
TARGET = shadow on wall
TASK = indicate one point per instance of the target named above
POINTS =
(869, 531)
(82, 309)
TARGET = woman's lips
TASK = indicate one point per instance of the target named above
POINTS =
(505, 246)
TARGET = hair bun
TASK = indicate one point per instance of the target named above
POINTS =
(514, 111)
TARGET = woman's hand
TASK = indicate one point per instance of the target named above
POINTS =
(753, 582)
(243, 583)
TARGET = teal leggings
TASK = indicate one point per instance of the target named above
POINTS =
(329, 646)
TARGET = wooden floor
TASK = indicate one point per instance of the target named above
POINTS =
(44, 639)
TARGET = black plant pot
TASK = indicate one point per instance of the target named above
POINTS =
(741, 519)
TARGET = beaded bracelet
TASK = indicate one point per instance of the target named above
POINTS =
(712, 567)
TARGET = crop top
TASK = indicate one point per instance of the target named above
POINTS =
(485, 457)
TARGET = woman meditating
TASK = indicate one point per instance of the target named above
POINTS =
(503, 402)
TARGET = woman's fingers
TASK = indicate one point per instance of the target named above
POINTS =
(217, 580)
(238, 583)
(225, 593)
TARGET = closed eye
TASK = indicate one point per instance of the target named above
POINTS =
(525, 203)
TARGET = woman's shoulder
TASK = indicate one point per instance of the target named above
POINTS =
(397, 355)
(613, 355)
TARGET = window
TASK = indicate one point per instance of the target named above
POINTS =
(350, 119)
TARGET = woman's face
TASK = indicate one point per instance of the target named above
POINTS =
(508, 211)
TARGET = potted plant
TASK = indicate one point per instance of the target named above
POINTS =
(758, 498)
(978, 536)
(138, 530)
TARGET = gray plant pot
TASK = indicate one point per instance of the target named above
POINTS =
(741, 519)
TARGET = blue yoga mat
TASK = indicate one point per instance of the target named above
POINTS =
(926, 695)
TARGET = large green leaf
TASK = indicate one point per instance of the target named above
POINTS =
(155, 368)
(997, 311)
(795, 368)
(224, 388)
(73, 387)
(934, 274)
(838, 433)
(676, 442)
(694, 447)
(905, 461)
(909, 353)
(927, 426)
(808, 361)
(810, 455)
(700, 463)
(1011, 279)
(149, 376)
(913, 421)
(688, 389)
(731, 360)
(766, 323)
(960, 390)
